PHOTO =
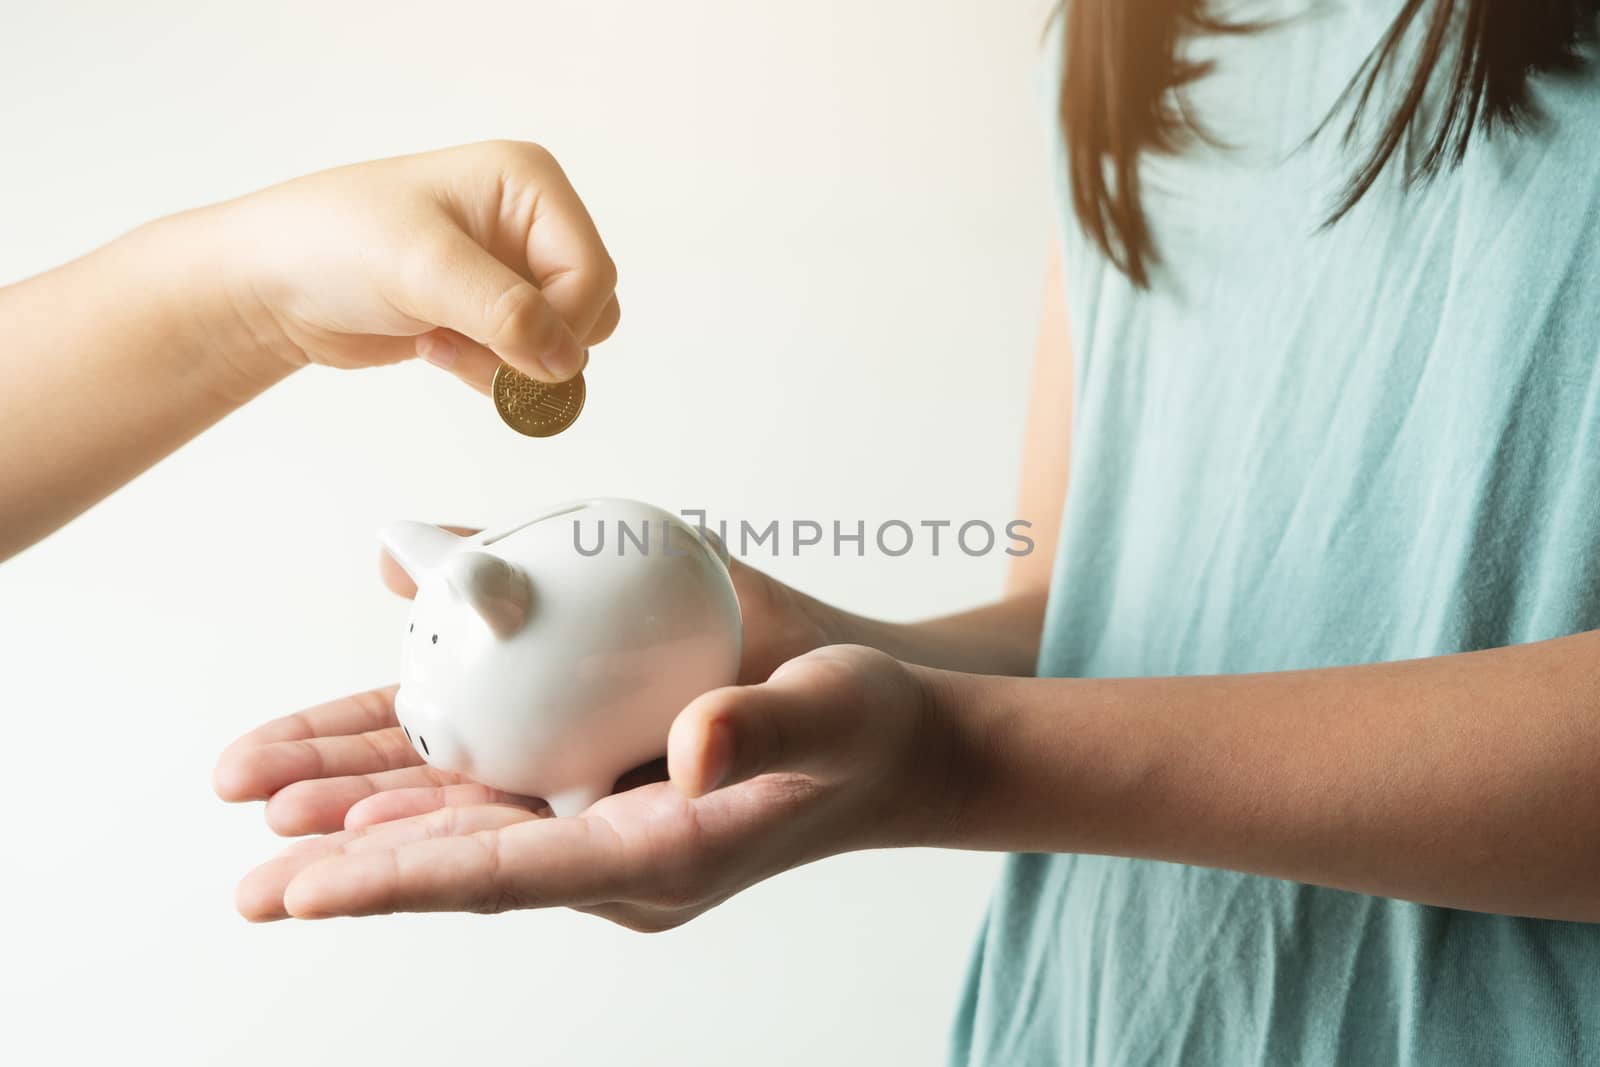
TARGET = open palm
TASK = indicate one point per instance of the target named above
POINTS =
(818, 761)
(347, 764)
(401, 835)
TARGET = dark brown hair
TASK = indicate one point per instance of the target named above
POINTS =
(1122, 94)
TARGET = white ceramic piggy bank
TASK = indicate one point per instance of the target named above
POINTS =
(541, 664)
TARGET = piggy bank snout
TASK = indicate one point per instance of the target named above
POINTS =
(427, 732)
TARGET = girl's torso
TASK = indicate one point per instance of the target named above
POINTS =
(1307, 447)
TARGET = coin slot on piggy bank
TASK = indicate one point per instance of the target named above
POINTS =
(550, 657)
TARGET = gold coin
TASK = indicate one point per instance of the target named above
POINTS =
(535, 408)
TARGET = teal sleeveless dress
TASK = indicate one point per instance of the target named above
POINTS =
(1307, 447)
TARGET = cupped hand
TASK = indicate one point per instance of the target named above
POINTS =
(844, 748)
(347, 764)
(468, 257)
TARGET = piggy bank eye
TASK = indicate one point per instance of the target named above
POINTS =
(436, 639)
(410, 628)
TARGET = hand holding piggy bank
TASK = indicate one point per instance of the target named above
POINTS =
(550, 658)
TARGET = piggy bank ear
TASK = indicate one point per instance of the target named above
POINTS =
(418, 547)
(499, 593)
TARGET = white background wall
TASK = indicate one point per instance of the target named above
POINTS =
(831, 224)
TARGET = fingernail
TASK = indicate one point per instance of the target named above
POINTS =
(438, 350)
(565, 360)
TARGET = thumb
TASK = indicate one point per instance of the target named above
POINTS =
(808, 718)
(466, 289)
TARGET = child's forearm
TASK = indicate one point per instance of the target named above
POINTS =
(109, 363)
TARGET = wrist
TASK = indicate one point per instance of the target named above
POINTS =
(221, 339)
(782, 623)
(1049, 765)
(949, 762)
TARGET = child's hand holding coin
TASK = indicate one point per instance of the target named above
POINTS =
(479, 259)
(467, 257)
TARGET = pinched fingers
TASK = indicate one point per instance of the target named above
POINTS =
(463, 357)
(607, 323)
(458, 284)
(518, 268)
(566, 256)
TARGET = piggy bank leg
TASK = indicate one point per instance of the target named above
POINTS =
(575, 801)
